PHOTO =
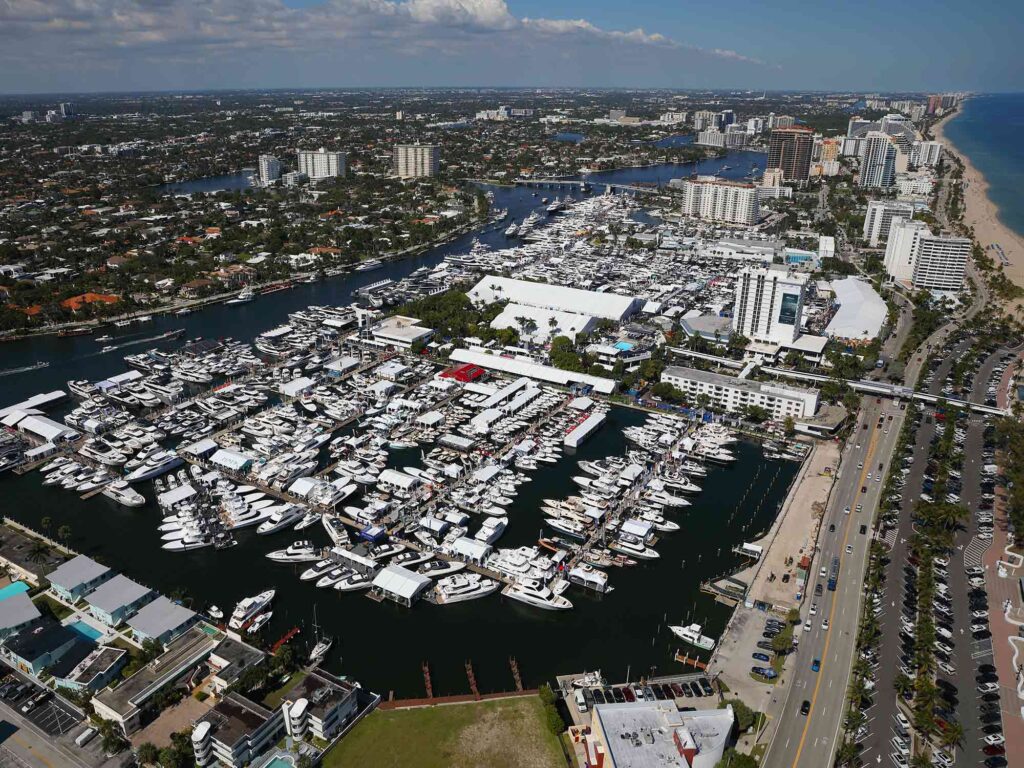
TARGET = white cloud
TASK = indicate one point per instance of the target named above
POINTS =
(88, 33)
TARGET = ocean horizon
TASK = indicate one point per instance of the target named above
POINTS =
(988, 131)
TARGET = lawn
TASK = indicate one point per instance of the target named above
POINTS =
(60, 611)
(273, 699)
(504, 733)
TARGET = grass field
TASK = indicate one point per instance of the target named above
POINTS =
(505, 733)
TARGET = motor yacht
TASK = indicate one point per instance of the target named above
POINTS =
(281, 516)
(155, 465)
(259, 622)
(534, 592)
(464, 586)
(297, 552)
(249, 607)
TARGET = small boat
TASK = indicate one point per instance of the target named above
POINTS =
(215, 613)
(692, 635)
(259, 622)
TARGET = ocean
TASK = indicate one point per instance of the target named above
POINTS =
(988, 131)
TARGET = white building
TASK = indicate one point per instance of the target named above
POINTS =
(940, 262)
(270, 169)
(413, 160)
(926, 153)
(879, 216)
(878, 165)
(715, 200)
(610, 306)
(735, 395)
(932, 262)
(769, 304)
(673, 118)
(861, 312)
(321, 164)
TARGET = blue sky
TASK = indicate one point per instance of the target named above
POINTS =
(68, 45)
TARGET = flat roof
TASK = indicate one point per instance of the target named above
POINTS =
(180, 655)
(532, 370)
(84, 670)
(611, 306)
(401, 582)
(322, 691)
(234, 717)
(721, 380)
(643, 735)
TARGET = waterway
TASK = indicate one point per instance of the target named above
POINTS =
(225, 183)
(383, 645)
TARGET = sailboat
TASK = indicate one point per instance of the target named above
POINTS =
(323, 643)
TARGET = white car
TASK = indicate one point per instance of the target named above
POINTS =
(949, 669)
(994, 740)
(824, 625)
(807, 626)
(988, 688)
(979, 614)
(900, 746)
(814, 609)
(898, 760)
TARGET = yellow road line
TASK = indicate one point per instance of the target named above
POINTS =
(875, 432)
(30, 749)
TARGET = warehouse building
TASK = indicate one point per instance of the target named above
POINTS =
(607, 306)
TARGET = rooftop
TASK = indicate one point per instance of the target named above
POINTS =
(322, 690)
(160, 616)
(117, 593)
(644, 735)
(235, 717)
(77, 571)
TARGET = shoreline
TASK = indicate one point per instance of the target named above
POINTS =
(981, 214)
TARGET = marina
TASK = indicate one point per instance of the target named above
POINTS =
(408, 487)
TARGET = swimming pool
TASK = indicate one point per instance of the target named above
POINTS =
(280, 762)
(625, 346)
(86, 631)
(15, 588)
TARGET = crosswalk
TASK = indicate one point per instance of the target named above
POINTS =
(974, 550)
(889, 537)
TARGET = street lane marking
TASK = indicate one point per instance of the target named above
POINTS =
(828, 636)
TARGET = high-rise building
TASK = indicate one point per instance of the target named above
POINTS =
(412, 160)
(934, 262)
(879, 218)
(829, 150)
(769, 304)
(780, 121)
(790, 149)
(321, 164)
(934, 104)
(710, 198)
(727, 117)
(926, 153)
(704, 119)
(66, 109)
(940, 262)
(773, 177)
(270, 169)
(878, 166)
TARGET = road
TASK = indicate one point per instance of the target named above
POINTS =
(811, 740)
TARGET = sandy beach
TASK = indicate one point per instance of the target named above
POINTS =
(983, 215)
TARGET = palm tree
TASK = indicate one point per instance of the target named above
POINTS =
(902, 684)
(45, 524)
(64, 533)
(38, 552)
(952, 736)
(847, 754)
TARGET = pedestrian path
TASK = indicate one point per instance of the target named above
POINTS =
(974, 550)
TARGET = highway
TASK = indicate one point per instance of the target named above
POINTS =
(811, 741)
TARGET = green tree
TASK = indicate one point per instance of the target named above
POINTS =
(147, 753)
(733, 759)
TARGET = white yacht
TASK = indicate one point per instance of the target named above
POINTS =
(297, 552)
(157, 464)
(259, 622)
(692, 635)
(244, 296)
(462, 587)
(122, 493)
(248, 607)
(533, 592)
(281, 516)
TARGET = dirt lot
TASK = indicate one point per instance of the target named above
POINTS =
(504, 733)
(178, 718)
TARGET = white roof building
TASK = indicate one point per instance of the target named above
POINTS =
(610, 306)
(861, 310)
(525, 367)
(400, 584)
(542, 324)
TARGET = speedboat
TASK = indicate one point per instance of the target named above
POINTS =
(692, 635)
(436, 569)
(259, 622)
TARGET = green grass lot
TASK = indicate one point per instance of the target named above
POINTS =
(504, 733)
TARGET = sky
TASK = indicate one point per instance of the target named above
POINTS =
(66, 46)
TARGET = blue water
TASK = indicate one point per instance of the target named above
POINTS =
(675, 141)
(988, 131)
(231, 181)
(625, 346)
(86, 631)
(574, 138)
(13, 589)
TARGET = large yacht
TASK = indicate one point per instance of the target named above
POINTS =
(533, 592)
(122, 493)
(464, 586)
(248, 607)
(157, 464)
(282, 516)
(297, 552)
